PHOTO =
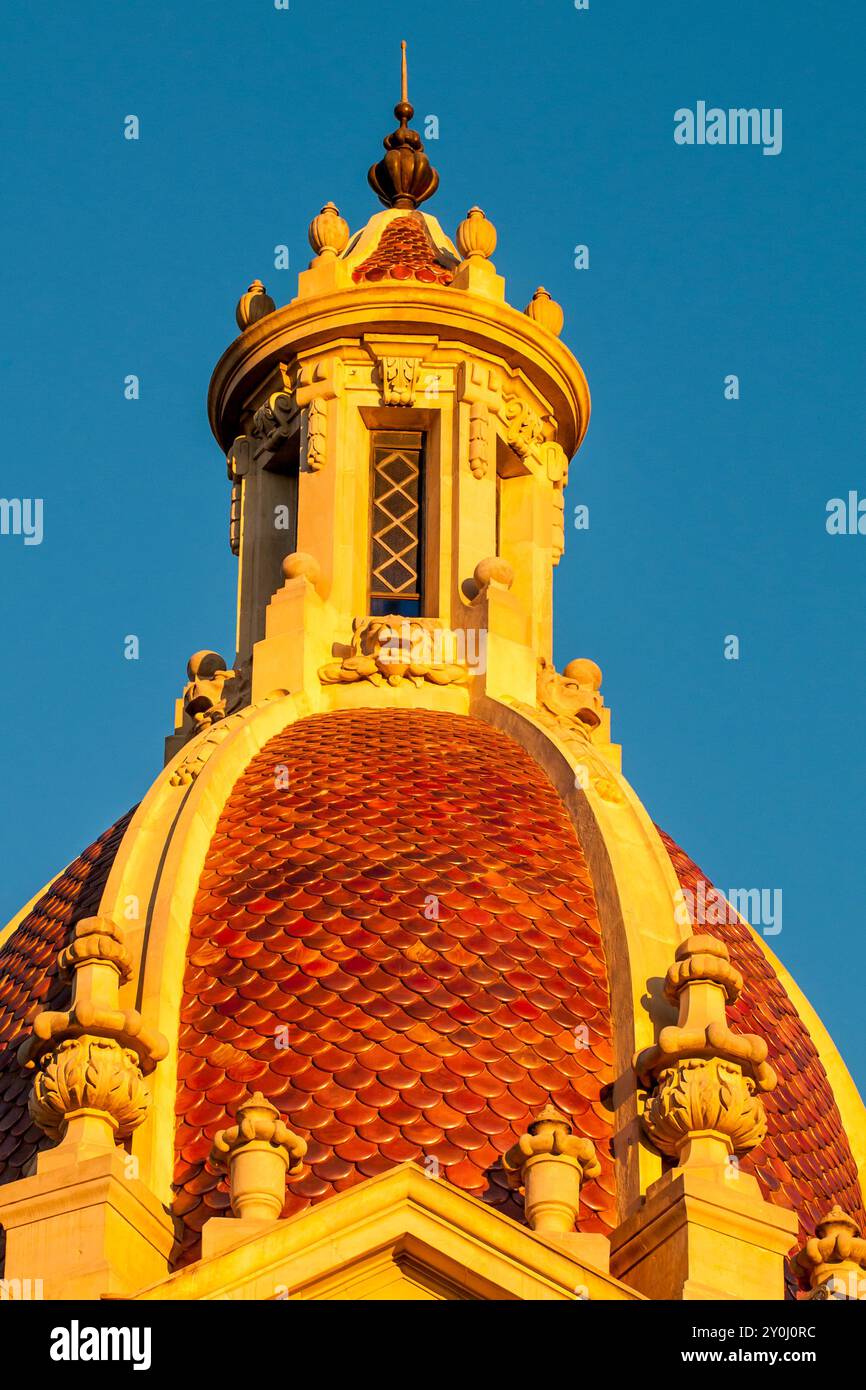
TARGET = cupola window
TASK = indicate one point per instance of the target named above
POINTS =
(396, 530)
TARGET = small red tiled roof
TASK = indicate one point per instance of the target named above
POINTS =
(401, 949)
(30, 981)
(805, 1162)
(405, 252)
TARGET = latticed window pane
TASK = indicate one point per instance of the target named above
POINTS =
(396, 529)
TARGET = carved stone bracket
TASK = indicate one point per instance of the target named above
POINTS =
(481, 388)
(395, 649)
(523, 428)
(271, 426)
(703, 1079)
(399, 377)
(317, 384)
(555, 463)
(396, 370)
(479, 439)
(489, 392)
(314, 434)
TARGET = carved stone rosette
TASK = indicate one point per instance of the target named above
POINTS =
(90, 1062)
(258, 1152)
(704, 1081)
(549, 1162)
(832, 1263)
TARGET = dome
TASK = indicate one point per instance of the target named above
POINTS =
(396, 939)
(411, 917)
(384, 990)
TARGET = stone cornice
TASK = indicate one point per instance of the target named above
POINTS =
(450, 313)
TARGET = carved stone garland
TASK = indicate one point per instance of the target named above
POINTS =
(395, 649)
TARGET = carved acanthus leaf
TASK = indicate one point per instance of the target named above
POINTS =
(479, 439)
(88, 1074)
(704, 1094)
(399, 379)
(703, 1079)
(314, 436)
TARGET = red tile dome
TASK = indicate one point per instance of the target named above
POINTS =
(396, 940)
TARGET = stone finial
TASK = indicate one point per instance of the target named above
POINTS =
(704, 1080)
(329, 232)
(89, 1063)
(585, 673)
(476, 236)
(253, 305)
(203, 698)
(549, 1162)
(300, 565)
(258, 1151)
(97, 948)
(833, 1261)
(543, 309)
(405, 177)
(494, 570)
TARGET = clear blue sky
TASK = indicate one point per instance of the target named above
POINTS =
(707, 516)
